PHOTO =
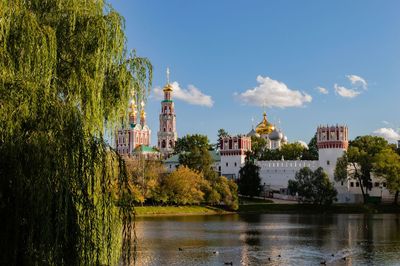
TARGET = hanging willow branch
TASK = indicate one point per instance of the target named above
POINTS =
(64, 81)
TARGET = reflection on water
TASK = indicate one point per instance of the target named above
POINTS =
(270, 239)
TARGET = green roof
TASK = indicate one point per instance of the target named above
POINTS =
(216, 156)
(172, 159)
(144, 148)
(167, 101)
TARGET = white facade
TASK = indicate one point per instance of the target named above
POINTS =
(230, 165)
(276, 174)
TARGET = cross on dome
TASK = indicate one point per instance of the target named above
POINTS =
(167, 75)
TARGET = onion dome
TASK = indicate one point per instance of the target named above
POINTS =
(284, 139)
(253, 133)
(133, 111)
(264, 127)
(167, 87)
(142, 112)
(276, 135)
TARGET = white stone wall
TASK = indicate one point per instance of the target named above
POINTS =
(328, 159)
(276, 174)
(230, 165)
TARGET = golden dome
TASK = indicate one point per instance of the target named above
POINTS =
(133, 111)
(264, 127)
(167, 87)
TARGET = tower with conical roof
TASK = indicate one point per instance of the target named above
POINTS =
(167, 134)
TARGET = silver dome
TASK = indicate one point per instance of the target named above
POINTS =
(276, 135)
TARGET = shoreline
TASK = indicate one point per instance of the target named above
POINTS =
(267, 208)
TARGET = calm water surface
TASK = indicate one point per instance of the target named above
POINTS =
(270, 239)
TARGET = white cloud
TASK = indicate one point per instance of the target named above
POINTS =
(303, 143)
(191, 95)
(357, 80)
(271, 93)
(389, 134)
(385, 122)
(346, 93)
(322, 90)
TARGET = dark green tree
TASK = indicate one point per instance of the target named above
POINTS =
(312, 152)
(194, 153)
(357, 162)
(292, 151)
(387, 166)
(221, 134)
(249, 182)
(258, 145)
(65, 78)
(313, 187)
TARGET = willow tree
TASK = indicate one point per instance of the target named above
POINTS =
(65, 79)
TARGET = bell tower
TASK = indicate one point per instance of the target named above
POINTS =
(167, 134)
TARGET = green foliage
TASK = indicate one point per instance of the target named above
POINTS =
(249, 183)
(221, 133)
(312, 152)
(358, 161)
(224, 190)
(193, 153)
(292, 151)
(387, 165)
(183, 186)
(258, 145)
(144, 175)
(293, 187)
(64, 81)
(313, 187)
(289, 151)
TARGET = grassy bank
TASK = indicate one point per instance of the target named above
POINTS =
(266, 207)
(177, 210)
(311, 209)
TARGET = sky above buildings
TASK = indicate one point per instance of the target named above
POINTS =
(306, 63)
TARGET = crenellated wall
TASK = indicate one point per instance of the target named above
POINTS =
(276, 174)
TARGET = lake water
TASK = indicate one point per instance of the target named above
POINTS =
(269, 239)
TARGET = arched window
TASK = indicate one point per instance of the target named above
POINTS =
(171, 145)
(163, 144)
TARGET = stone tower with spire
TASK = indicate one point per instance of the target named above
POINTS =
(167, 134)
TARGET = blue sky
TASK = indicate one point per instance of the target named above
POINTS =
(237, 56)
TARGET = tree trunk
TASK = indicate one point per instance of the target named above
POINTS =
(362, 190)
(396, 197)
(358, 177)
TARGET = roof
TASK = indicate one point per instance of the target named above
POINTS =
(172, 159)
(215, 155)
(144, 148)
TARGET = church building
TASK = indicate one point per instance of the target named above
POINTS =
(134, 137)
(273, 135)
